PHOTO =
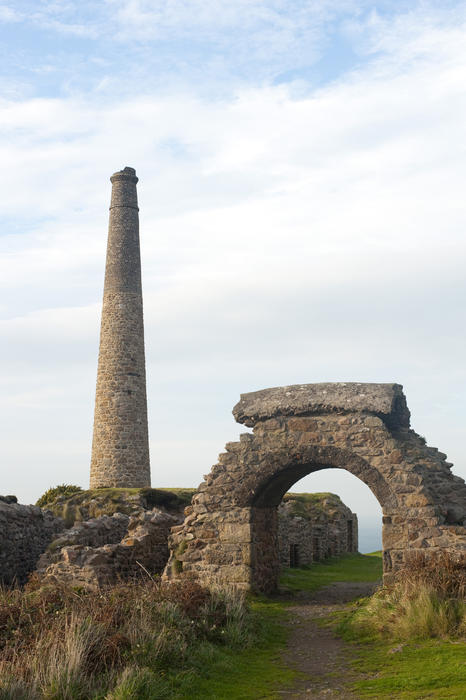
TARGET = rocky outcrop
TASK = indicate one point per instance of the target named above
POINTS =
(93, 533)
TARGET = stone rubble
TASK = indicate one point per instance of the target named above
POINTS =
(142, 551)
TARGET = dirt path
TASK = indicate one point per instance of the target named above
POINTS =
(314, 650)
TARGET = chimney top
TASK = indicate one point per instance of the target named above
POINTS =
(127, 173)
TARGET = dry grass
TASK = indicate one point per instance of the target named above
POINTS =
(443, 572)
(58, 643)
(427, 600)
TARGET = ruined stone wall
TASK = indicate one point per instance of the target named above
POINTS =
(142, 551)
(294, 531)
(25, 532)
(362, 428)
(93, 533)
(103, 549)
(312, 527)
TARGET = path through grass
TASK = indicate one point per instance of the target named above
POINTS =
(418, 669)
(350, 567)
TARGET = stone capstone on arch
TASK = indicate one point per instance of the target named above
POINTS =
(229, 536)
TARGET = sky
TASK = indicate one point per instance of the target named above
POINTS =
(302, 180)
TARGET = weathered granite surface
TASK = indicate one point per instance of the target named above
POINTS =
(25, 532)
(384, 400)
(96, 532)
(229, 535)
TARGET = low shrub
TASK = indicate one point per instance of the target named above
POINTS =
(442, 571)
(61, 642)
(61, 491)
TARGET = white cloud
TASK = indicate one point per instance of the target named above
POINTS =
(152, 19)
(8, 14)
(285, 239)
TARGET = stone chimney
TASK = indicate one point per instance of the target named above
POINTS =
(120, 447)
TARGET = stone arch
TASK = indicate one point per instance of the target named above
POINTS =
(230, 530)
(272, 483)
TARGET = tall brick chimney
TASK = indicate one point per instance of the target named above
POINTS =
(120, 446)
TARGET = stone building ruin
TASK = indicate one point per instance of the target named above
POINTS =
(25, 532)
(114, 544)
(230, 533)
(313, 527)
(128, 535)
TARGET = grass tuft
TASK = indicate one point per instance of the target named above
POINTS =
(426, 601)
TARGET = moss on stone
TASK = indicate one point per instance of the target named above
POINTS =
(168, 497)
(181, 548)
(177, 566)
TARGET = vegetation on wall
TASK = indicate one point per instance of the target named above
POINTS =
(311, 505)
(54, 493)
(75, 505)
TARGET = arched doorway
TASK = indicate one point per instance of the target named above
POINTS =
(229, 536)
(280, 478)
(326, 490)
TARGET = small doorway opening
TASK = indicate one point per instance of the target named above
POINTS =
(294, 556)
(349, 532)
(316, 549)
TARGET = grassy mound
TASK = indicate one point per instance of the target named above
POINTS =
(312, 505)
(79, 505)
(410, 638)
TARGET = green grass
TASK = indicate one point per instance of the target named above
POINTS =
(421, 669)
(254, 672)
(408, 641)
(311, 505)
(350, 567)
(417, 669)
